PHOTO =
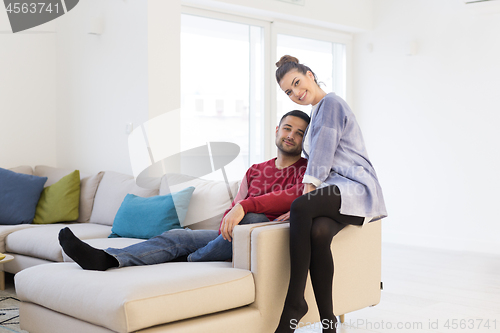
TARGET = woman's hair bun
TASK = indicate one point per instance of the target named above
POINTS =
(286, 58)
(288, 63)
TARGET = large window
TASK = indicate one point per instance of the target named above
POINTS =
(228, 88)
(221, 85)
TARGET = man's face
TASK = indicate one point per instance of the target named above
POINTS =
(289, 135)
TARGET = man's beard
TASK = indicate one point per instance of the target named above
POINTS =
(293, 151)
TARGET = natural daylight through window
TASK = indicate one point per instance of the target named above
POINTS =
(221, 84)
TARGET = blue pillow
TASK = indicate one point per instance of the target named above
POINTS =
(144, 218)
(19, 195)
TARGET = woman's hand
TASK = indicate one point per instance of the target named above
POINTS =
(283, 217)
(235, 215)
(308, 188)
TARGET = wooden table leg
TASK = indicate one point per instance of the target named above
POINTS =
(342, 318)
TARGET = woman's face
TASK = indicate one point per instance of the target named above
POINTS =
(302, 89)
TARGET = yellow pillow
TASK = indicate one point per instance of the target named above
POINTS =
(60, 201)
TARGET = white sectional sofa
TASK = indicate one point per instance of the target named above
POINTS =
(245, 295)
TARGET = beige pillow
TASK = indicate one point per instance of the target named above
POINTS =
(88, 190)
(27, 170)
(88, 187)
(209, 201)
(112, 190)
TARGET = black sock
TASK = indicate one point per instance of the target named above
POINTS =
(85, 255)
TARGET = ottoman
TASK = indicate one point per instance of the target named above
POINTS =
(133, 298)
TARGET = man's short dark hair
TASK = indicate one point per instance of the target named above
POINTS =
(297, 113)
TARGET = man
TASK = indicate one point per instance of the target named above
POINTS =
(266, 193)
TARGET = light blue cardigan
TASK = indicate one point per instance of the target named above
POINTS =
(337, 156)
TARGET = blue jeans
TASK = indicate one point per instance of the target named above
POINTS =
(199, 245)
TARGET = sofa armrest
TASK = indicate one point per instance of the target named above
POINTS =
(357, 253)
(242, 243)
(270, 266)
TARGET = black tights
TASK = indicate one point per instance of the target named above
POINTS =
(314, 220)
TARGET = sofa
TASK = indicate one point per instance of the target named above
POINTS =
(245, 295)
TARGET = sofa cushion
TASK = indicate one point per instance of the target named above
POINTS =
(41, 241)
(149, 217)
(19, 195)
(88, 187)
(112, 190)
(209, 201)
(132, 298)
(60, 201)
(26, 169)
(6, 230)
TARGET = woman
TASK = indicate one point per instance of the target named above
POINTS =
(341, 188)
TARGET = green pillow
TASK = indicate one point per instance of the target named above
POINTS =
(60, 201)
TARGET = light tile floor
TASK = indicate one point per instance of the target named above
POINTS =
(428, 290)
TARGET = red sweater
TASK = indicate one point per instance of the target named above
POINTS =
(268, 190)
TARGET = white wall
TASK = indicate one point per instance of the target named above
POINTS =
(67, 95)
(102, 83)
(431, 120)
(27, 95)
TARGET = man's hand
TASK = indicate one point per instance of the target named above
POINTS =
(283, 217)
(235, 215)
